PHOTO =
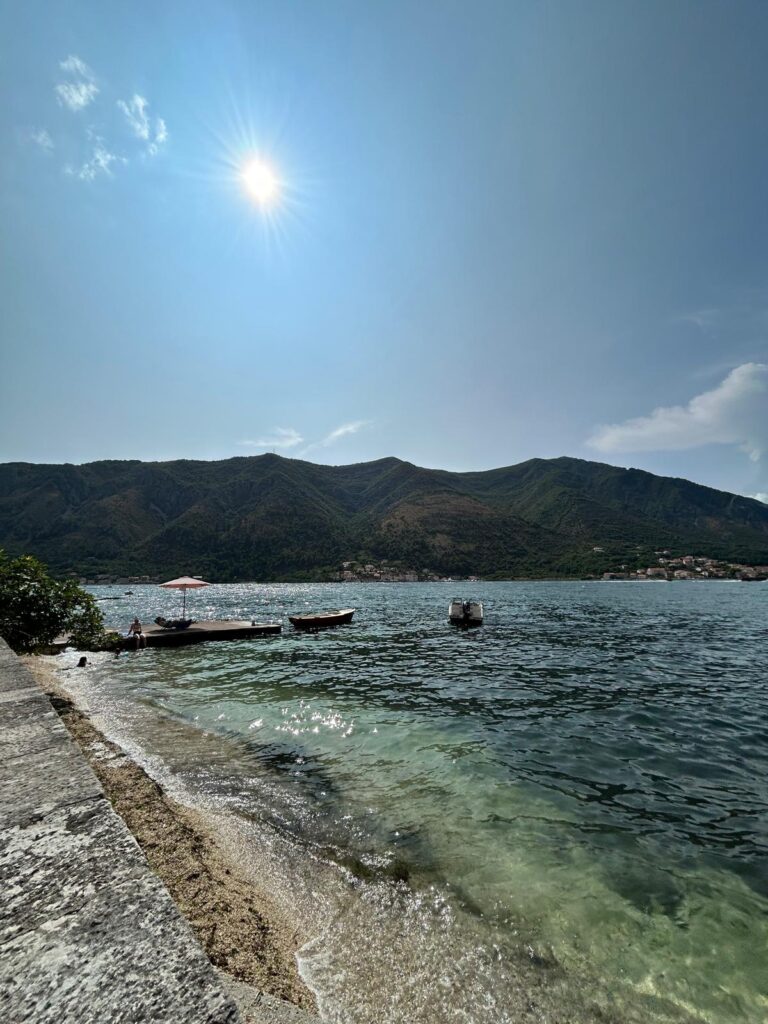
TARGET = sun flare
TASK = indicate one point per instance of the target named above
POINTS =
(261, 182)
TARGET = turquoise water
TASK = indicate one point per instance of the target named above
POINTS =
(560, 816)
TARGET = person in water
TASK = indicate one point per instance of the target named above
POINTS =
(135, 630)
(83, 662)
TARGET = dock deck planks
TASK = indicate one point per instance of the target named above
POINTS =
(200, 632)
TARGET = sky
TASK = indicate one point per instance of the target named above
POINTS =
(499, 231)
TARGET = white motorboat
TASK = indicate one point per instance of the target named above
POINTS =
(465, 613)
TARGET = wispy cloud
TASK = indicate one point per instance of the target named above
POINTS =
(760, 496)
(76, 66)
(80, 89)
(745, 316)
(140, 123)
(280, 437)
(342, 431)
(735, 412)
(335, 435)
(161, 132)
(41, 137)
(703, 318)
(76, 95)
(288, 437)
(98, 163)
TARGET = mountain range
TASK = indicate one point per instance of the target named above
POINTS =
(270, 518)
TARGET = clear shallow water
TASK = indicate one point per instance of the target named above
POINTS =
(561, 816)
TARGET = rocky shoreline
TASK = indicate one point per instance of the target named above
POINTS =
(243, 931)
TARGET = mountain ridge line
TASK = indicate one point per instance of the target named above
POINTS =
(271, 517)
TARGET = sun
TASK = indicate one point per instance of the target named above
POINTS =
(260, 181)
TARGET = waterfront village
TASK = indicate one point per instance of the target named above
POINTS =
(690, 567)
(667, 567)
(348, 572)
(387, 572)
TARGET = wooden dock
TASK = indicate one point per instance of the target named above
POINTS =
(200, 632)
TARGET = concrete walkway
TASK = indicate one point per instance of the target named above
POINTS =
(87, 932)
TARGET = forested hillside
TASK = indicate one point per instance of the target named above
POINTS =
(268, 517)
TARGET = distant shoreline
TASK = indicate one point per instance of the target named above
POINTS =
(455, 580)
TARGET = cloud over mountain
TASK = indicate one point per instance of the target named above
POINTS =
(280, 437)
(335, 435)
(735, 412)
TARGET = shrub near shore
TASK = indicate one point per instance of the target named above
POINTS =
(35, 609)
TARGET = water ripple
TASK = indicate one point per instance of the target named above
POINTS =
(584, 779)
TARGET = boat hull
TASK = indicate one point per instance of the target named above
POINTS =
(325, 620)
(465, 613)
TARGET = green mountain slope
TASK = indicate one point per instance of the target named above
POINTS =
(268, 518)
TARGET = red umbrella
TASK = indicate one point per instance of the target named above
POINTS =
(185, 583)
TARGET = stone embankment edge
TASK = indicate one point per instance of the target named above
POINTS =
(87, 931)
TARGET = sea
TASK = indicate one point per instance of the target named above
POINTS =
(560, 816)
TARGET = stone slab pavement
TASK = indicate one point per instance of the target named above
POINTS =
(87, 932)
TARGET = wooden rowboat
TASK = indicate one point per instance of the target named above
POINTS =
(323, 620)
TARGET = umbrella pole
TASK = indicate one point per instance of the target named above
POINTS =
(184, 602)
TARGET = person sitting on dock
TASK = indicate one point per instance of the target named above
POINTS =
(135, 630)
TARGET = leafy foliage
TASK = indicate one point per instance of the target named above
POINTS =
(35, 609)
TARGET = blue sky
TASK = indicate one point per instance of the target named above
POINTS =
(503, 230)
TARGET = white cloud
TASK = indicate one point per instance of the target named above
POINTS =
(100, 162)
(76, 95)
(735, 412)
(76, 66)
(135, 110)
(77, 91)
(280, 437)
(81, 90)
(760, 496)
(335, 435)
(41, 138)
(287, 437)
(342, 431)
